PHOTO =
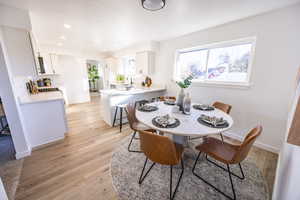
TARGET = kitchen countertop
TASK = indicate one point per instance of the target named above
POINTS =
(117, 92)
(41, 97)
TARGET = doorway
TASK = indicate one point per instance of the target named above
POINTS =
(95, 76)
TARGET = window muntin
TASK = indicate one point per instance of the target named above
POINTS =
(226, 63)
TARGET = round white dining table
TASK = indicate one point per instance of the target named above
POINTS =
(189, 126)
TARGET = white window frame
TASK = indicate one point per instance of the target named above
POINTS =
(123, 68)
(223, 44)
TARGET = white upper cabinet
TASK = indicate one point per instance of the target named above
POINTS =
(45, 63)
(54, 63)
(145, 62)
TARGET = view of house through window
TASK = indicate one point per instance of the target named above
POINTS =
(223, 63)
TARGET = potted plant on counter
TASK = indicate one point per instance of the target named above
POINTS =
(120, 78)
(183, 85)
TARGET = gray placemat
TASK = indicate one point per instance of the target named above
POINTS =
(169, 103)
(153, 108)
(176, 124)
(210, 108)
(225, 125)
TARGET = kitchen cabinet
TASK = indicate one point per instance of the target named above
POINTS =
(54, 63)
(50, 65)
(145, 62)
(112, 64)
(45, 63)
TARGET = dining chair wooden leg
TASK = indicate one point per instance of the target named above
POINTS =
(171, 177)
(129, 145)
(142, 178)
(241, 169)
(218, 190)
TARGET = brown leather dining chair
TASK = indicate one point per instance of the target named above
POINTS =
(162, 150)
(134, 124)
(226, 108)
(228, 154)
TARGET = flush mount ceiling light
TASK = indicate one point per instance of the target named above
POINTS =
(153, 5)
(67, 26)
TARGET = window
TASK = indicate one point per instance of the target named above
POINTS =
(128, 66)
(223, 63)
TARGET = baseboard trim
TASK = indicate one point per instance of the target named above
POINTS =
(257, 143)
(20, 155)
(50, 143)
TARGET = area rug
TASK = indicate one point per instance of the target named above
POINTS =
(126, 168)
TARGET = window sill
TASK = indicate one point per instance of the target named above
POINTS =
(243, 86)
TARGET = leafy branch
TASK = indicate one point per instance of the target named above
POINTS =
(186, 82)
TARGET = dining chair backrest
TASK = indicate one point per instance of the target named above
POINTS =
(130, 108)
(245, 147)
(159, 149)
(222, 106)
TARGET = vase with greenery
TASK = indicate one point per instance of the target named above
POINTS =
(93, 75)
(183, 85)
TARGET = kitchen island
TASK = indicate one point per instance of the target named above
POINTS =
(112, 97)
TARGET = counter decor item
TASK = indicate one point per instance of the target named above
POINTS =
(187, 104)
(148, 81)
(120, 78)
(32, 87)
(183, 85)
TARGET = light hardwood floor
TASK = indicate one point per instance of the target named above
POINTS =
(79, 166)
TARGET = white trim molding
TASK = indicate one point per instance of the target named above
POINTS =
(257, 143)
(20, 155)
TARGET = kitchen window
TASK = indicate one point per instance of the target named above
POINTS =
(227, 63)
(128, 66)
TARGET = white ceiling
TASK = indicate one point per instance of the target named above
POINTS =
(106, 25)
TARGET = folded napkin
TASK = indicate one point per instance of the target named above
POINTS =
(215, 121)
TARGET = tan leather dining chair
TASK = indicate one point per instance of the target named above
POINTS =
(228, 154)
(160, 149)
(134, 124)
(226, 108)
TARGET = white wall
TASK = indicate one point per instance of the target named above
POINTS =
(288, 174)
(13, 24)
(12, 109)
(14, 17)
(3, 195)
(132, 50)
(276, 59)
(79, 53)
(74, 78)
(19, 48)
